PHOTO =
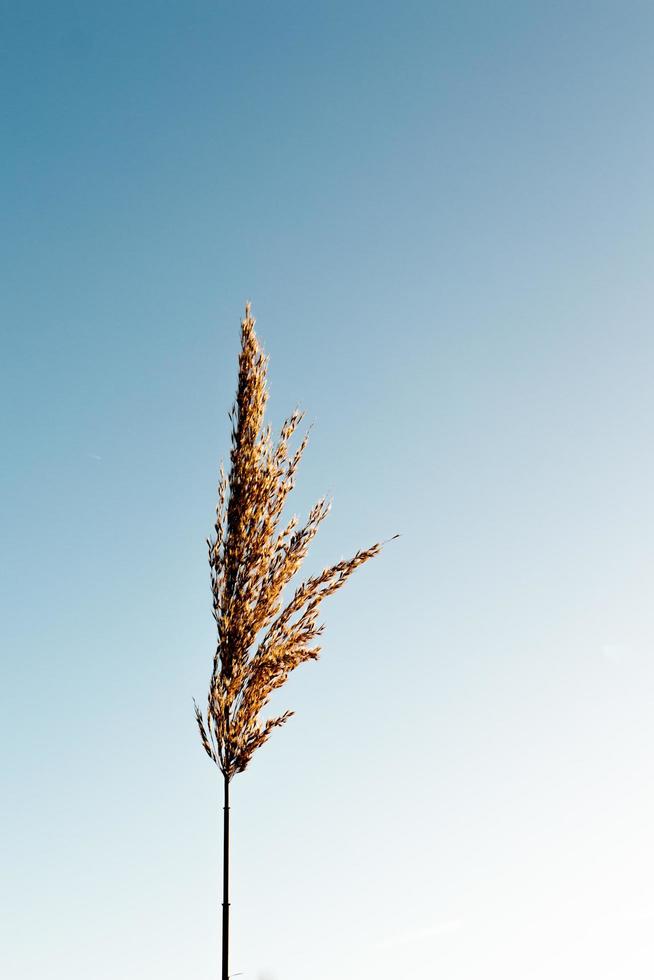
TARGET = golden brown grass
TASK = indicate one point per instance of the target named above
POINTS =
(252, 558)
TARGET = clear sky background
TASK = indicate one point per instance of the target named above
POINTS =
(443, 215)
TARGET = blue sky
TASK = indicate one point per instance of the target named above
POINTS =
(443, 216)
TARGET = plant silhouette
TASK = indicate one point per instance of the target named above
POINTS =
(252, 557)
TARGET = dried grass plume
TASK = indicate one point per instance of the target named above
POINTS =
(252, 558)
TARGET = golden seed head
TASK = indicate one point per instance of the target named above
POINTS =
(251, 561)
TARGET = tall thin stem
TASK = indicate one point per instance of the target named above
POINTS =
(225, 970)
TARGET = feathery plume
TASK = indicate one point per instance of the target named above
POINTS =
(252, 558)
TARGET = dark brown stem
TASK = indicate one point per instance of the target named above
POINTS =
(225, 970)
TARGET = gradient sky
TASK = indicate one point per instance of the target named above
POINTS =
(443, 215)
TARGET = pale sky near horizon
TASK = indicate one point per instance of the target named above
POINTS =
(443, 215)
